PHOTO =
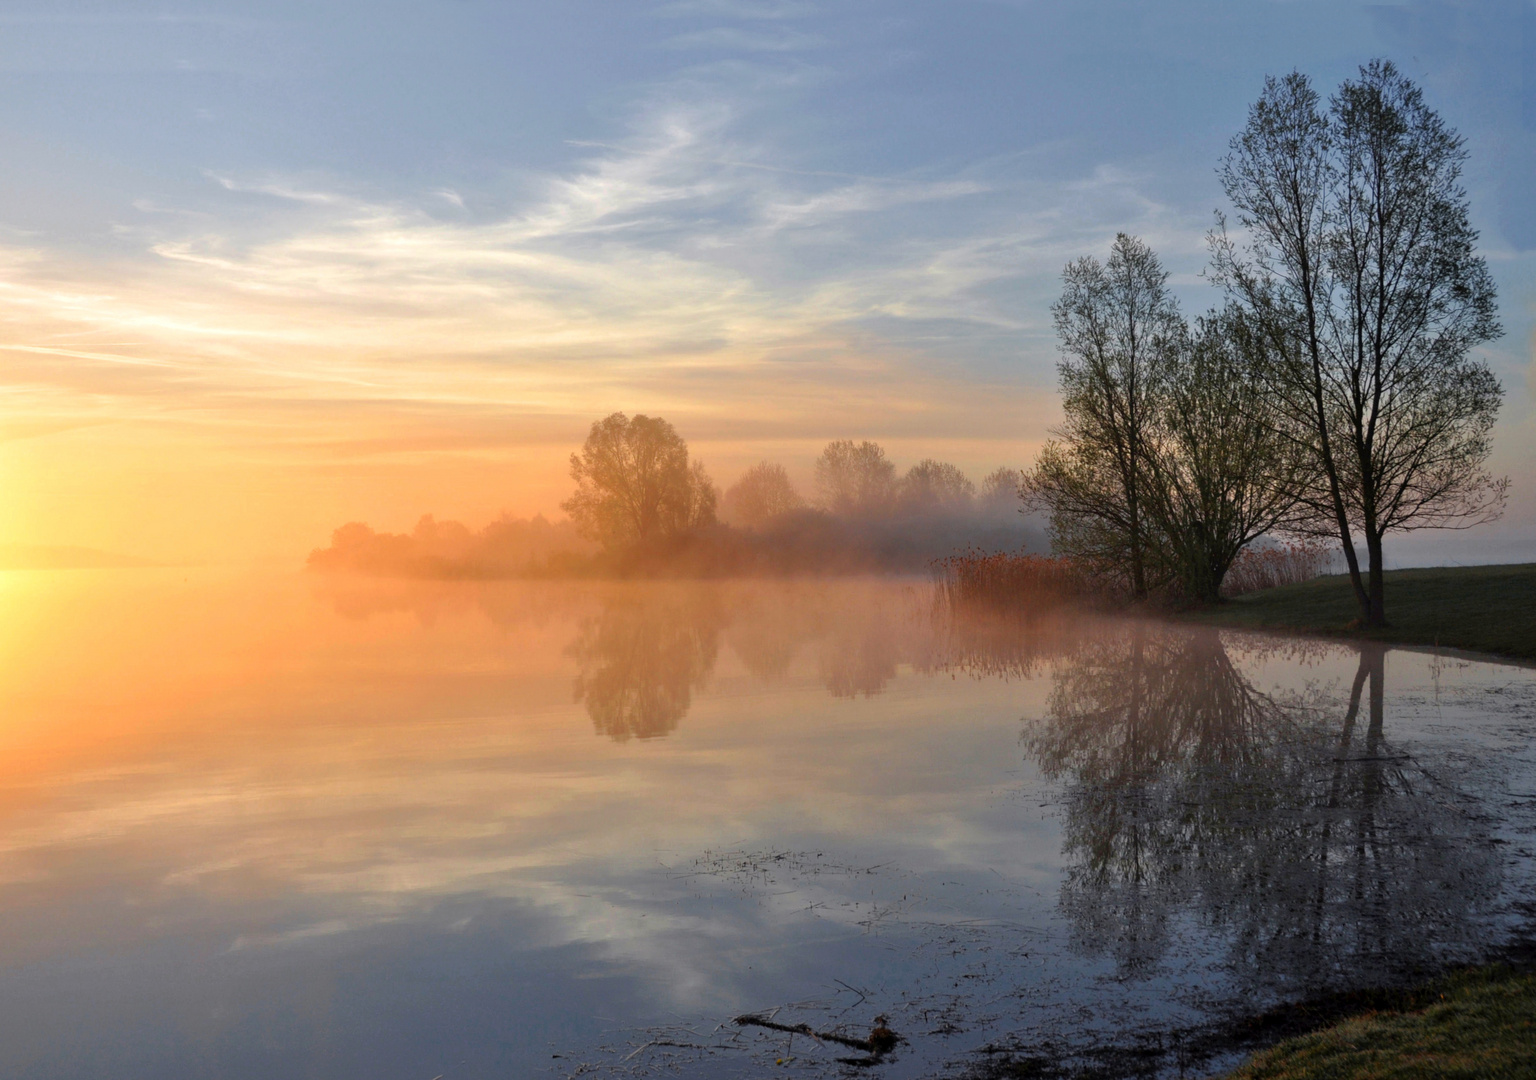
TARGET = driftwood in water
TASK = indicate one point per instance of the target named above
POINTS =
(882, 1040)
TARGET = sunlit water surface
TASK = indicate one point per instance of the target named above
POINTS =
(260, 826)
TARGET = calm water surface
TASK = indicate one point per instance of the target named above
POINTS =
(260, 826)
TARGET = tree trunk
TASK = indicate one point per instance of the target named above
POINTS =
(1138, 569)
(1376, 656)
(1330, 468)
(1376, 609)
(1214, 572)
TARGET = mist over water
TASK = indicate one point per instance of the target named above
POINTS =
(341, 827)
(801, 542)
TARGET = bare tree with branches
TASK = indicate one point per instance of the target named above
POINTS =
(1120, 332)
(763, 493)
(855, 479)
(1360, 265)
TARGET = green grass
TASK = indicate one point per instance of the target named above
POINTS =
(1490, 609)
(1479, 1023)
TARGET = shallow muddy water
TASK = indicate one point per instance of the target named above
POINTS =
(275, 825)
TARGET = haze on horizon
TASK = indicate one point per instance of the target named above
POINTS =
(268, 268)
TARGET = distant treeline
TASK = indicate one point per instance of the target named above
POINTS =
(507, 547)
(642, 509)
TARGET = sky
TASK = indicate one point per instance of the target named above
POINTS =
(268, 268)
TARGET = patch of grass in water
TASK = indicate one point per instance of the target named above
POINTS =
(1489, 609)
(1478, 1023)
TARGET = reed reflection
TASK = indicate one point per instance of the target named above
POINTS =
(641, 659)
(1314, 853)
(860, 657)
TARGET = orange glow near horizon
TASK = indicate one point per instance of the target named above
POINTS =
(205, 409)
(218, 398)
(225, 700)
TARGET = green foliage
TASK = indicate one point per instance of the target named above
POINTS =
(1479, 1024)
(1222, 473)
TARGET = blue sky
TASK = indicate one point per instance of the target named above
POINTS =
(341, 252)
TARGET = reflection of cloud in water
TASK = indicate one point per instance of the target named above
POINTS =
(409, 783)
(1296, 833)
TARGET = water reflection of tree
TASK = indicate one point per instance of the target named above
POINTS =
(768, 627)
(859, 633)
(641, 660)
(862, 634)
(1320, 854)
(860, 657)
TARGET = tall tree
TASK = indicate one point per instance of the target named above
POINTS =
(1360, 263)
(1120, 331)
(634, 483)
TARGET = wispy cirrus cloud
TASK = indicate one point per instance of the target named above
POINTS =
(741, 39)
(688, 262)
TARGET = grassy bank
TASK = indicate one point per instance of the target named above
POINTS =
(1490, 609)
(1479, 1023)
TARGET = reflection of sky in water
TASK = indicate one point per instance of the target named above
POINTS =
(259, 827)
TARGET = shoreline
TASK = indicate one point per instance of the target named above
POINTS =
(1481, 612)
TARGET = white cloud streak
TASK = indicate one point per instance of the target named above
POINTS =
(681, 251)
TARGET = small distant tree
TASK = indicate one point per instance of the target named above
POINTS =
(937, 485)
(762, 494)
(1120, 332)
(855, 479)
(1358, 260)
(1221, 471)
(1000, 490)
(634, 483)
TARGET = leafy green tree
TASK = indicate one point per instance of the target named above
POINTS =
(634, 483)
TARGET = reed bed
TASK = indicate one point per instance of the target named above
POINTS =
(1014, 582)
(1282, 564)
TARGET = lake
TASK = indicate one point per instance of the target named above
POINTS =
(267, 824)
